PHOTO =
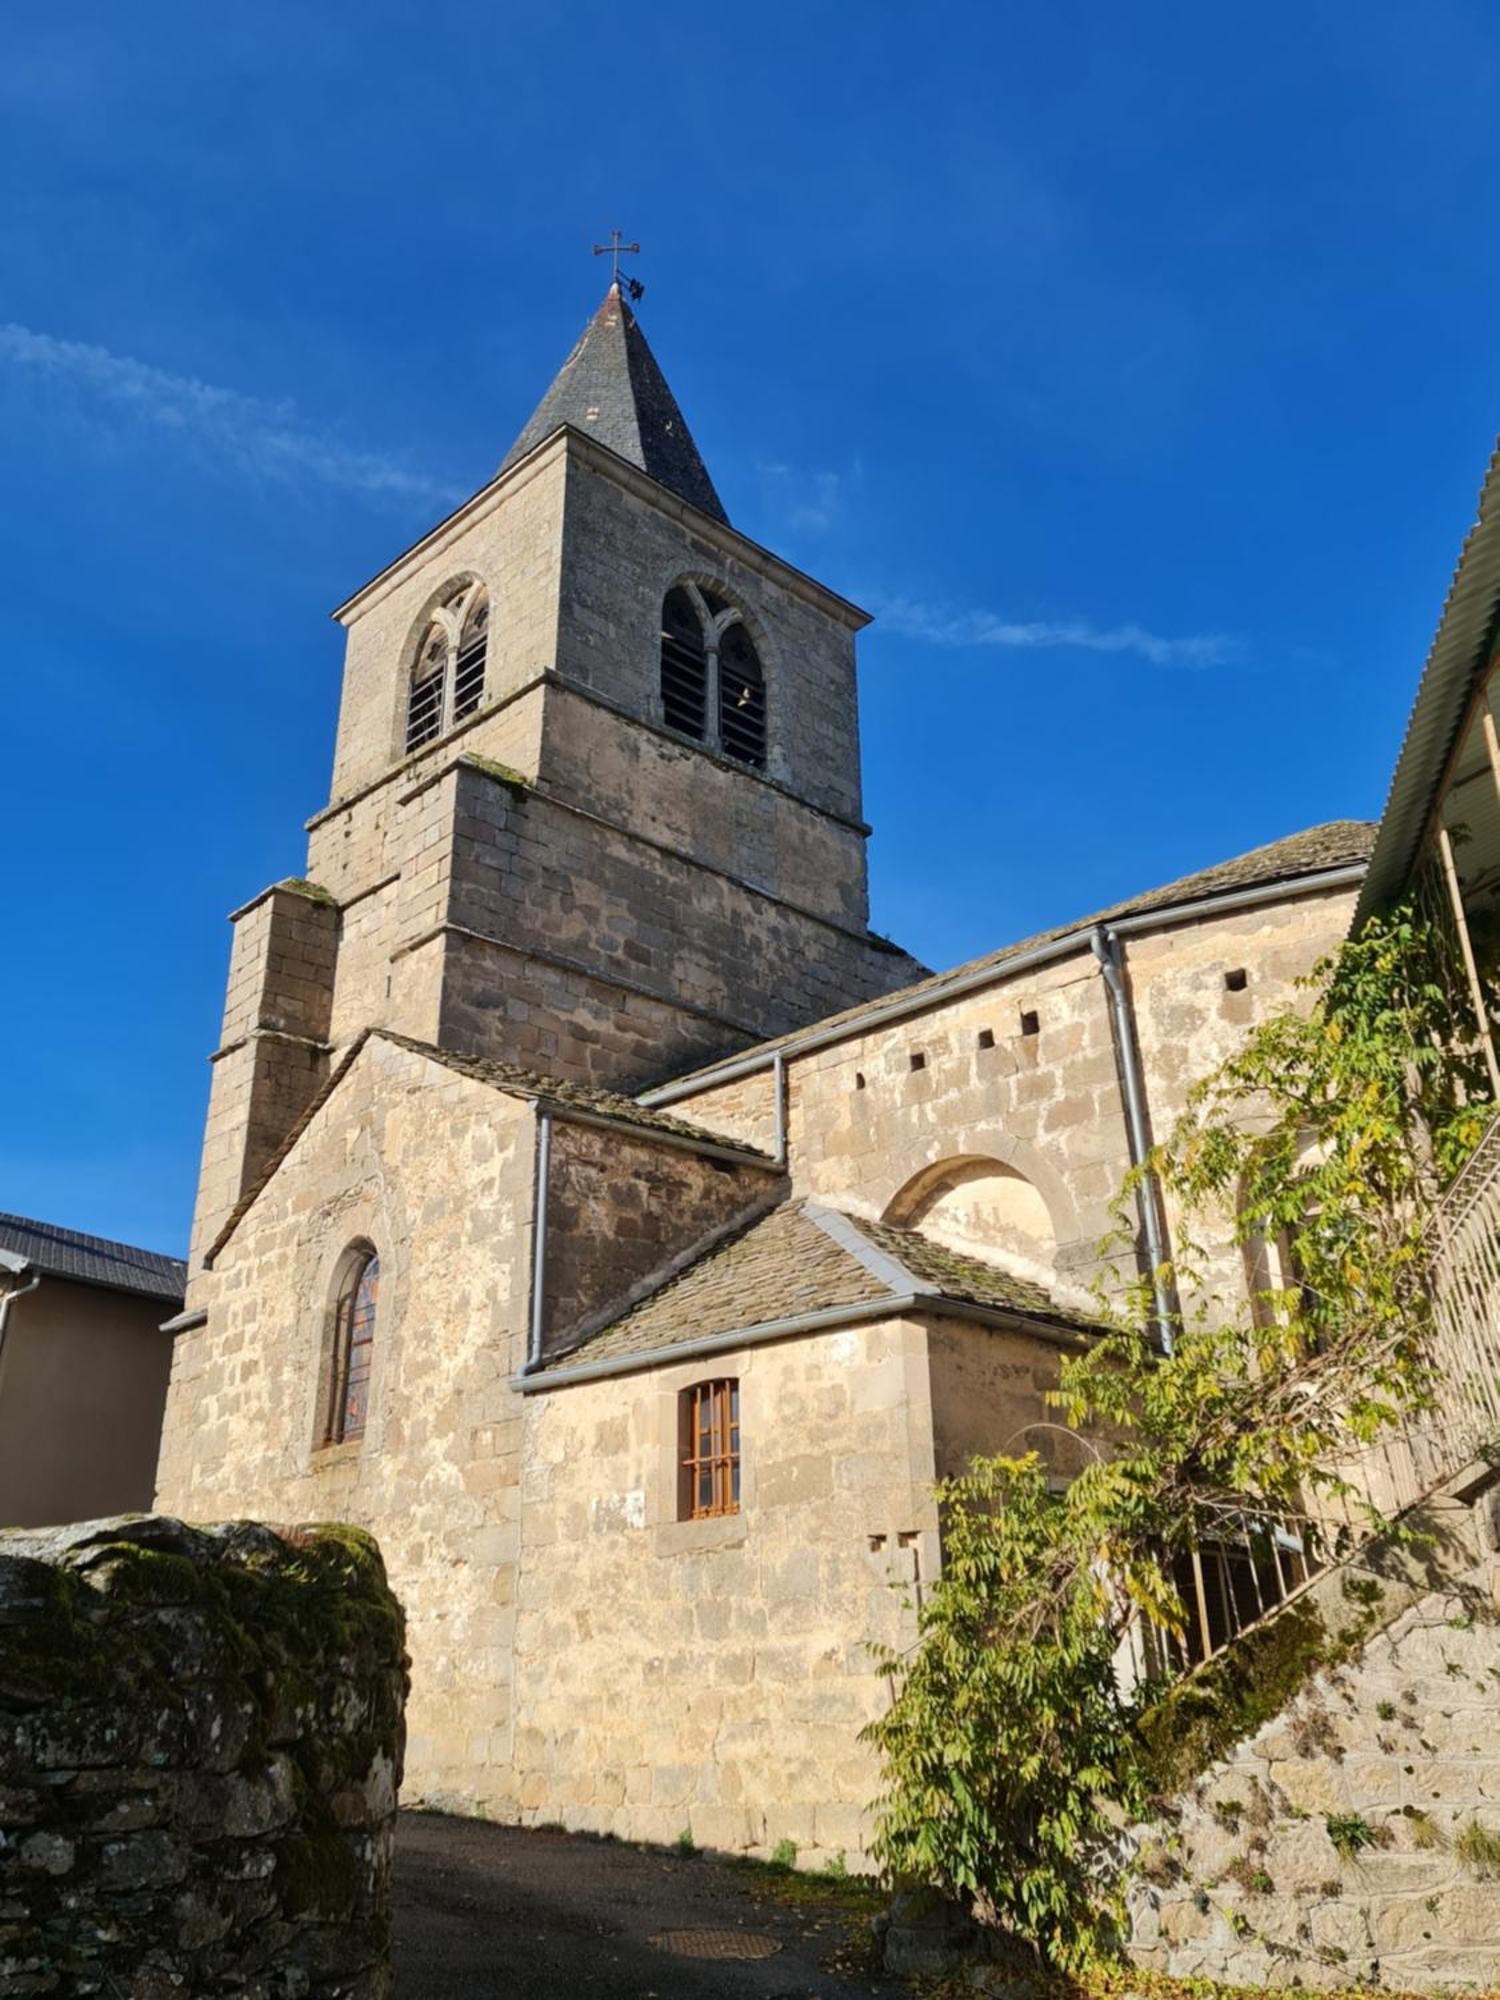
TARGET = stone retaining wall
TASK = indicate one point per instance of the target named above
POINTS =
(200, 1745)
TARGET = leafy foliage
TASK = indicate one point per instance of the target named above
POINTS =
(1013, 1752)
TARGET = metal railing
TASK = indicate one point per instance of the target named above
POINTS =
(1245, 1565)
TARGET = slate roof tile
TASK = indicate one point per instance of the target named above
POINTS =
(94, 1260)
(791, 1263)
(611, 388)
(503, 1076)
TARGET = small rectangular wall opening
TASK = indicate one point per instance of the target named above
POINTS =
(918, 1059)
(1237, 979)
(986, 1038)
(1031, 1021)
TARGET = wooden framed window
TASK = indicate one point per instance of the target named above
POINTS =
(354, 1315)
(709, 1435)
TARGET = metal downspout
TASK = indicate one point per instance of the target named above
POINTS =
(1106, 948)
(539, 1239)
(8, 1298)
(778, 1085)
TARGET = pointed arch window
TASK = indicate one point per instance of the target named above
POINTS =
(713, 687)
(356, 1303)
(448, 672)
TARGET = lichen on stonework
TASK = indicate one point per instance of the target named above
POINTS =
(501, 773)
(298, 885)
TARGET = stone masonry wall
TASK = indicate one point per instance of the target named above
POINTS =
(623, 1213)
(436, 1171)
(714, 1674)
(963, 1080)
(511, 542)
(625, 545)
(272, 1054)
(200, 1745)
(1355, 1838)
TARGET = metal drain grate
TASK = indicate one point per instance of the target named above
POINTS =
(716, 1944)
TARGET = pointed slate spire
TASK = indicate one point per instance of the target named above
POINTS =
(611, 388)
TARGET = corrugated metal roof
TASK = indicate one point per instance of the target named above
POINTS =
(1460, 652)
(93, 1260)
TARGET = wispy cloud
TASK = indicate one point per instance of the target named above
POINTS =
(266, 440)
(940, 626)
(804, 497)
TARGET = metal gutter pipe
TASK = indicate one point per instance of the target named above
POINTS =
(1105, 945)
(896, 1306)
(539, 1237)
(14, 1266)
(901, 1006)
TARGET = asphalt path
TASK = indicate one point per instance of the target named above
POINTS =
(489, 1910)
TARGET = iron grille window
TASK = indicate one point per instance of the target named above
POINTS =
(468, 671)
(447, 682)
(742, 698)
(710, 1437)
(713, 687)
(684, 666)
(353, 1343)
(424, 711)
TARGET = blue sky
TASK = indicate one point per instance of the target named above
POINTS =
(1137, 365)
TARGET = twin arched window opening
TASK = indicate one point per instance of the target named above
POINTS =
(356, 1300)
(712, 685)
(447, 676)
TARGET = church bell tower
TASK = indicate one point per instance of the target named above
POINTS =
(595, 807)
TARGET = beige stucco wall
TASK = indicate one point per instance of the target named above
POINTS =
(83, 1379)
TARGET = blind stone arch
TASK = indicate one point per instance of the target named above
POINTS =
(983, 1206)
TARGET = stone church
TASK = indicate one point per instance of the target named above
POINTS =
(597, 1209)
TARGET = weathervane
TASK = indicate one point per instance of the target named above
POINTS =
(615, 249)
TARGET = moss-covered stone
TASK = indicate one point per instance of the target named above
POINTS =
(502, 774)
(200, 1731)
(298, 885)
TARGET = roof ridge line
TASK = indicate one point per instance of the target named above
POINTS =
(844, 1230)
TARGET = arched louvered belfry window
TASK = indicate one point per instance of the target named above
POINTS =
(356, 1300)
(447, 676)
(468, 664)
(742, 697)
(684, 665)
(713, 687)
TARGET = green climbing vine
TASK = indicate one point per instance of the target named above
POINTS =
(1013, 1752)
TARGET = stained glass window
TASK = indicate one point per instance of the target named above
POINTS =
(354, 1339)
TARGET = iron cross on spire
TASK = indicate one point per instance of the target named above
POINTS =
(615, 250)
